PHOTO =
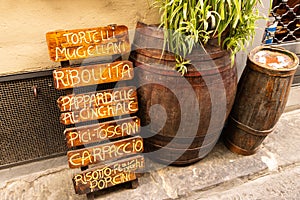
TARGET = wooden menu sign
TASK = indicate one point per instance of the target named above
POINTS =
(109, 175)
(96, 99)
(82, 135)
(90, 42)
(104, 111)
(70, 77)
(108, 151)
(111, 40)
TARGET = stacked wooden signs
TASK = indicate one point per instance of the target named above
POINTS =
(117, 161)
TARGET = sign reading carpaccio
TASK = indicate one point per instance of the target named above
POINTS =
(83, 43)
(104, 152)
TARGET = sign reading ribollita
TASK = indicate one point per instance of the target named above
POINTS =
(71, 77)
(97, 161)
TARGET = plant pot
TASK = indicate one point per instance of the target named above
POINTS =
(261, 98)
(195, 106)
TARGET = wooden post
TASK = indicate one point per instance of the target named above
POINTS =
(65, 63)
(134, 183)
(90, 196)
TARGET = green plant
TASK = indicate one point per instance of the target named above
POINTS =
(190, 22)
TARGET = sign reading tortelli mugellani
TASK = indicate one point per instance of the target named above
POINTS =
(83, 43)
(100, 153)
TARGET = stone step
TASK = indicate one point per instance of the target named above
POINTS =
(294, 99)
(220, 173)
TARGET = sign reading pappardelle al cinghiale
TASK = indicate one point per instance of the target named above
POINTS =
(96, 99)
(97, 105)
(68, 45)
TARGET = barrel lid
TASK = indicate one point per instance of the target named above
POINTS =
(273, 59)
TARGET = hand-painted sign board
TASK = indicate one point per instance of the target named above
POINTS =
(105, 176)
(84, 43)
(72, 77)
(88, 114)
(96, 99)
(104, 152)
(82, 135)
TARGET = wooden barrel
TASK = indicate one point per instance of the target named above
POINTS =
(209, 76)
(261, 98)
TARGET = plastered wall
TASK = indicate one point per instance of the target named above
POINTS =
(24, 23)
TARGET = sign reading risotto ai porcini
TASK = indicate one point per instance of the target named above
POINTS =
(83, 43)
(108, 175)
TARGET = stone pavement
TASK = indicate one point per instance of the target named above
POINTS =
(272, 173)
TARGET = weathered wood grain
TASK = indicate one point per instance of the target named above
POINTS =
(210, 77)
(96, 99)
(82, 135)
(71, 77)
(260, 101)
(90, 42)
(105, 152)
(105, 176)
(105, 111)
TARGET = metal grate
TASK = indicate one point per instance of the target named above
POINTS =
(287, 14)
(29, 125)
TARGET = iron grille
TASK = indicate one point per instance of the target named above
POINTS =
(287, 14)
(29, 125)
